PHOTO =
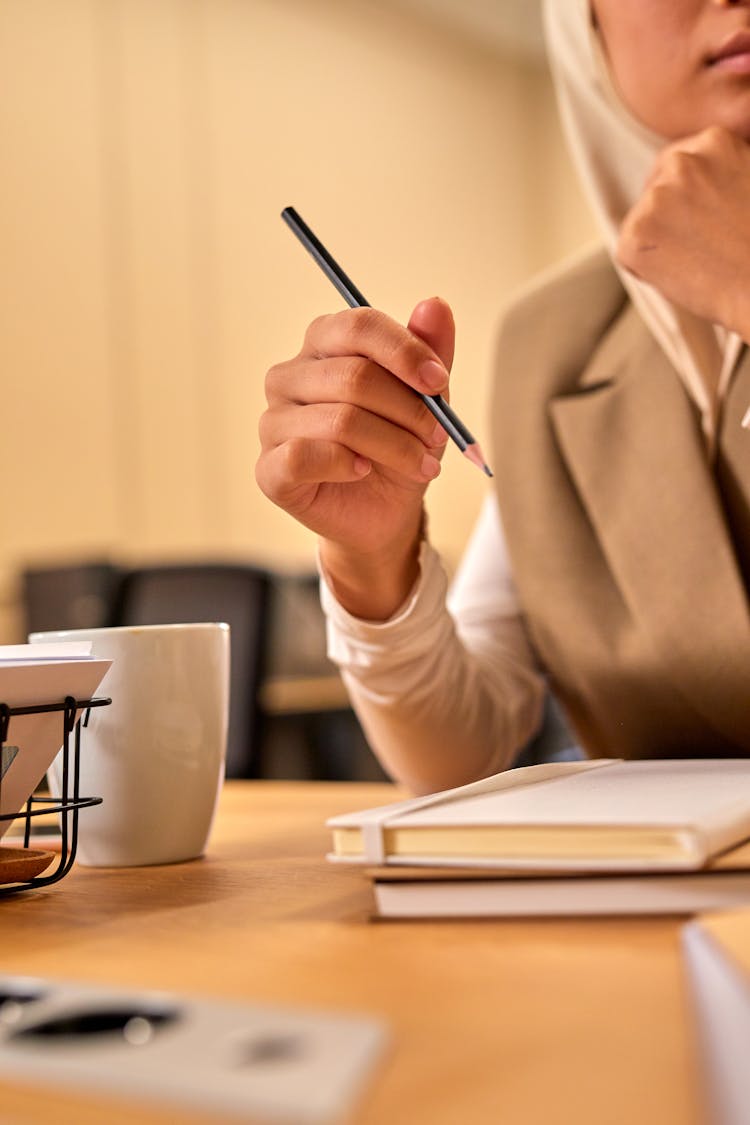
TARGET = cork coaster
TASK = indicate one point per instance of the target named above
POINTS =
(19, 864)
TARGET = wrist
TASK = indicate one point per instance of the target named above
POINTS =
(372, 585)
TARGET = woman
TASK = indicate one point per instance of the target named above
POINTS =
(619, 574)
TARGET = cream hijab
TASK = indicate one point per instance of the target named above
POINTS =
(614, 154)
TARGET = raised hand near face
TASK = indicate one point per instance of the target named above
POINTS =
(689, 233)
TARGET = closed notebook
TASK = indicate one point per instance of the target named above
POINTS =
(717, 959)
(602, 815)
(444, 892)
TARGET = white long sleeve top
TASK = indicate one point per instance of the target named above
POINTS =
(447, 689)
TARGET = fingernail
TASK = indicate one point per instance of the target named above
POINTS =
(433, 375)
(746, 421)
(430, 466)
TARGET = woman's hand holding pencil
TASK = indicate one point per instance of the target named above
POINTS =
(353, 434)
(348, 448)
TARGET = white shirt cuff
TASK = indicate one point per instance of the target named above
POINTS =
(357, 643)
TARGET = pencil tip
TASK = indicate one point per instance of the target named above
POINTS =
(474, 453)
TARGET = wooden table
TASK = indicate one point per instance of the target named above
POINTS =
(507, 1022)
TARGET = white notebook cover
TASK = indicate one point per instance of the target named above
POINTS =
(706, 802)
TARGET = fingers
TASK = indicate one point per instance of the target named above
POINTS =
(714, 140)
(432, 321)
(370, 333)
(351, 380)
(359, 433)
(289, 473)
(345, 406)
(688, 235)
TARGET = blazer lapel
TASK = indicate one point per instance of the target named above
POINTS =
(633, 446)
(734, 449)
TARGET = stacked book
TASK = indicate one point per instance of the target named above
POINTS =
(602, 837)
(589, 838)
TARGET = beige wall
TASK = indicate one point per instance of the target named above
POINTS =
(147, 282)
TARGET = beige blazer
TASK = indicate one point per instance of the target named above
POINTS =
(631, 552)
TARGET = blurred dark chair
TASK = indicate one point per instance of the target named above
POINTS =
(74, 596)
(277, 636)
(236, 594)
(310, 729)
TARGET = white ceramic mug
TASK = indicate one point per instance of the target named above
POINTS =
(156, 755)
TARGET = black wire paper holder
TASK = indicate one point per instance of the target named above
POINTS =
(66, 805)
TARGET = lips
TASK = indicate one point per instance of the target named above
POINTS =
(733, 54)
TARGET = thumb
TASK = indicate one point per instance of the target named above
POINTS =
(432, 321)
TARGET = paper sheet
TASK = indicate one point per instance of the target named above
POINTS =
(29, 677)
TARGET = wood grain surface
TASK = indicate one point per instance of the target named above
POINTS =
(555, 1022)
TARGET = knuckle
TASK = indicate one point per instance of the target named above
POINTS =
(675, 169)
(294, 458)
(348, 331)
(406, 356)
(658, 196)
(353, 373)
(353, 327)
(343, 420)
(655, 203)
(688, 164)
(677, 165)
(364, 321)
(268, 479)
(718, 137)
(315, 333)
(274, 381)
(369, 331)
(319, 324)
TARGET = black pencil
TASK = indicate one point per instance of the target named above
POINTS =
(437, 405)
